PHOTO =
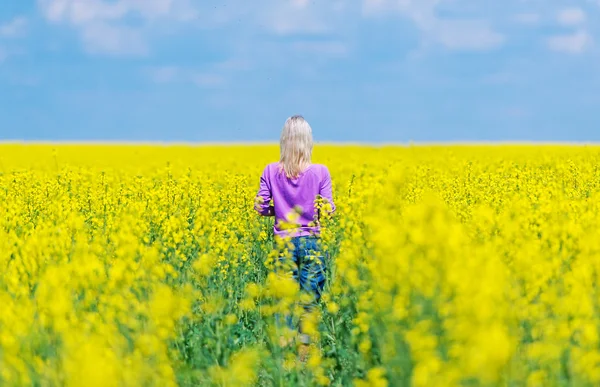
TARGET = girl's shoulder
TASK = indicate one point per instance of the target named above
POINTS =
(272, 166)
(320, 169)
(272, 170)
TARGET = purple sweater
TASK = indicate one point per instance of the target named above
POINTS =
(287, 193)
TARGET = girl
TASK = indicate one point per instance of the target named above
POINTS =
(294, 184)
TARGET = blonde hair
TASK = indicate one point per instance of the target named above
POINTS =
(296, 146)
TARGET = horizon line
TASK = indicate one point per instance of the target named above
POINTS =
(276, 143)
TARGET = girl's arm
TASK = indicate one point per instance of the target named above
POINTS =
(325, 189)
(263, 197)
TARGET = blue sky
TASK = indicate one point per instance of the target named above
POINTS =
(359, 71)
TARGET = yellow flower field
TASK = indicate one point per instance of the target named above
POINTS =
(450, 266)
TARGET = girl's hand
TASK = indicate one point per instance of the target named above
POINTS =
(270, 211)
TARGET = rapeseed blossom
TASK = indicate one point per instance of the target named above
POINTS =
(447, 266)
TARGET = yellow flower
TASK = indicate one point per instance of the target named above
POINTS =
(231, 319)
(333, 308)
(375, 378)
(130, 265)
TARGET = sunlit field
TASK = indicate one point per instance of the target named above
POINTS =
(449, 266)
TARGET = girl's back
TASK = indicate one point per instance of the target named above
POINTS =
(297, 193)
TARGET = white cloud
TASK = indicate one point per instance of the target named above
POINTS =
(14, 28)
(103, 38)
(85, 11)
(78, 12)
(300, 3)
(281, 17)
(294, 17)
(102, 24)
(155, 9)
(571, 16)
(454, 34)
(474, 35)
(574, 43)
(527, 18)
(10, 30)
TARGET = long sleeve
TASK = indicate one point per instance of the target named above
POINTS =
(325, 189)
(263, 197)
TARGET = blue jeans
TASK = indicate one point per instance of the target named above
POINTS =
(308, 265)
